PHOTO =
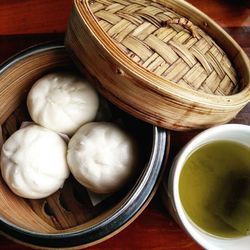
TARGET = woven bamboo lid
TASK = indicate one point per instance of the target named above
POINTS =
(154, 59)
(167, 44)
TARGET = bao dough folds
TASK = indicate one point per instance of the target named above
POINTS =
(33, 162)
(102, 156)
(62, 102)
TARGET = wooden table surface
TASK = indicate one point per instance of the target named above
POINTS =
(28, 22)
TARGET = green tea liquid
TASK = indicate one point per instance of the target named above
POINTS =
(214, 188)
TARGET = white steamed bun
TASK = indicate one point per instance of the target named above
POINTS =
(62, 102)
(33, 162)
(102, 156)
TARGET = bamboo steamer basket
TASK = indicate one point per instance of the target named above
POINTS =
(164, 62)
(68, 219)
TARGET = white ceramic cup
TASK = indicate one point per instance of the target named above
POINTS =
(234, 132)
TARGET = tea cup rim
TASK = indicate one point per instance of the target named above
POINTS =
(205, 239)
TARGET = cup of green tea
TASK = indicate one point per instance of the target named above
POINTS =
(209, 187)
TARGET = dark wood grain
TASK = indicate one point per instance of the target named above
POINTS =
(29, 22)
(227, 13)
(33, 16)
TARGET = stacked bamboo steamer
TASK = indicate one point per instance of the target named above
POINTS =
(164, 62)
(71, 217)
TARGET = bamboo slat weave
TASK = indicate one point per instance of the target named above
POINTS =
(159, 61)
(167, 44)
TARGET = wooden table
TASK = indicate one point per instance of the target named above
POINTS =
(28, 22)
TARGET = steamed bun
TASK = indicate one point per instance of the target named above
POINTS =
(102, 156)
(62, 102)
(33, 162)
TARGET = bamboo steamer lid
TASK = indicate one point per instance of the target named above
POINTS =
(160, 61)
